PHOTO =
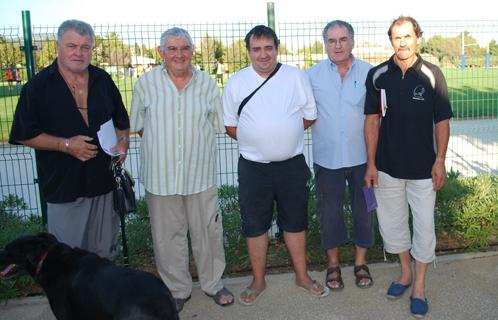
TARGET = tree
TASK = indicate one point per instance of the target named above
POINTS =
(493, 48)
(46, 53)
(315, 48)
(209, 54)
(111, 50)
(282, 49)
(308, 51)
(9, 55)
(236, 56)
(449, 50)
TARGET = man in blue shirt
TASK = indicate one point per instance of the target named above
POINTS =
(339, 152)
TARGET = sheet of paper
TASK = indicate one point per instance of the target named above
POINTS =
(383, 101)
(108, 138)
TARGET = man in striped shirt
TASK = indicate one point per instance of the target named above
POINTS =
(177, 111)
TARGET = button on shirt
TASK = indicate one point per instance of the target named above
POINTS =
(338, 140)
(178, 149)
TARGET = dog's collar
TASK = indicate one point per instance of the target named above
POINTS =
(40, 263)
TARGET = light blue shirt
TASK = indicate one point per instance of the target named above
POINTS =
(338, 131)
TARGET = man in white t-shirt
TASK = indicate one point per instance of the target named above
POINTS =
(271, 168)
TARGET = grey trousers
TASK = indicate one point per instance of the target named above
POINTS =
(171, 217)
(87, 223)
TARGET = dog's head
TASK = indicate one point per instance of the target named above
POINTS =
(24, 254)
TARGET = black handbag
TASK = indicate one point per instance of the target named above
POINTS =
(124, 201)
(124, 192)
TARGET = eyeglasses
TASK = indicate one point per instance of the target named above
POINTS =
(341, 41)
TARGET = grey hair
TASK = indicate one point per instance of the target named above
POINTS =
(176, 32)
(335, 23)
(81, 27)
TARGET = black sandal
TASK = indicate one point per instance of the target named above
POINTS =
(218, 295)
(337, 278)
(360, 277)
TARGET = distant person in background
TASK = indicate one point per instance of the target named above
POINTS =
(339, 151)
(407, 108)
(58, 114)
(10, 78)
(18, 77)
(177, 111)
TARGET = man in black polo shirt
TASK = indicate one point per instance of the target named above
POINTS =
(406, 105)
(59, 113)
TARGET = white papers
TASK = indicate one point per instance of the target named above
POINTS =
(108, 138)
(383, 101)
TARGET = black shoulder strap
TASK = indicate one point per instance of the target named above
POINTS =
(246, 99)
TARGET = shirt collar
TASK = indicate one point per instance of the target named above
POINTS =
(334, 66)
(92, 75)
(394, 67)
(195, 72)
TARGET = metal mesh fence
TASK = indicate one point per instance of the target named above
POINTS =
(467, 52)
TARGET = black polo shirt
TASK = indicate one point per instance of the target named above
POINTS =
(47, 106)
(415, 102)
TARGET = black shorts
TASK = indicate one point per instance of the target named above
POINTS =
(260, 184)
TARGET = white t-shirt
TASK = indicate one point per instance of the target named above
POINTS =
(270, 127)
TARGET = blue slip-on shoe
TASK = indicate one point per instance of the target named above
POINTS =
(418, 307)
(396, 290)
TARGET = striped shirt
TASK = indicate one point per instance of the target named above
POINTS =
(178, 148)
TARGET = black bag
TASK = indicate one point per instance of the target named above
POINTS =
(124, 200)
(124, 193)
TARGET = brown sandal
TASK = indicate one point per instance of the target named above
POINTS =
(360, 277)
(338, 278)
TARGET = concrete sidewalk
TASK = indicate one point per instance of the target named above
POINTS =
(461, 286)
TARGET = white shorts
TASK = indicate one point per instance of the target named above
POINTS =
(393, 197)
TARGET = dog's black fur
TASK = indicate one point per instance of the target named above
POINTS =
(82, 285)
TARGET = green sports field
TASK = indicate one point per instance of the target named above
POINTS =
(473, 94)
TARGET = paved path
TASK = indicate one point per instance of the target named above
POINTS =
(461, 286)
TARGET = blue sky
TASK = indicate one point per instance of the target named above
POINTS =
(53, 12)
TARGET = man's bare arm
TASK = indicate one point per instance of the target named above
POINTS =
(371, 132)
(308, 123)
(232, 132)
(438, 168)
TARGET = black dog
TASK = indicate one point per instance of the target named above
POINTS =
(82, 285)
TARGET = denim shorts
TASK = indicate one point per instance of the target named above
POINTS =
(261, 185)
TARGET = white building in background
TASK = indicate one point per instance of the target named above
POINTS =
(141, 64)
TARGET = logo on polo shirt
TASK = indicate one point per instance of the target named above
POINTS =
(418, 93)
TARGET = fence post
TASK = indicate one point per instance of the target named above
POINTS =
(30, 69)
(270, 12)
(28, 44)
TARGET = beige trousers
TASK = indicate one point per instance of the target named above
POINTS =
(393, 197)
(171, 217)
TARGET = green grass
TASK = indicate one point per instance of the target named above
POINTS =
(473, 93)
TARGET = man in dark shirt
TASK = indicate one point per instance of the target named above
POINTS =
(59, 113)
(406, 99)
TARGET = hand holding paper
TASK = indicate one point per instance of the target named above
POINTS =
(108, 138)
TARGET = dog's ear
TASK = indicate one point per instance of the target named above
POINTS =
(47, 236)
